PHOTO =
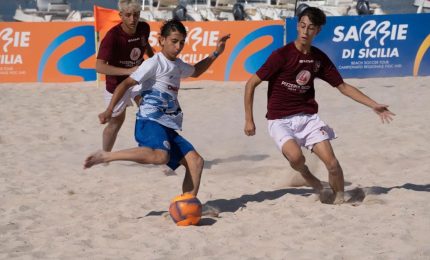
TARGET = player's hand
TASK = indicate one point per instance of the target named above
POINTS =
(105, 117)
(221, 43)
(383, 112)
(249, 128)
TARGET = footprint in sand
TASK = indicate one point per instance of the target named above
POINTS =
(8, 228)
(42, 137)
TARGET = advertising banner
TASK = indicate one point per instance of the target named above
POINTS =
(374, 45)
(47, 52)
(65, 52)
(250, 44)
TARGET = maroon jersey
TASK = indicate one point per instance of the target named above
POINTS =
(291, 77)
(122, 50)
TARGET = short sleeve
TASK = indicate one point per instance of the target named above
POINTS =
(106, 47)
(186, 69)
(271, 66)
(145, 71)
(329, 72)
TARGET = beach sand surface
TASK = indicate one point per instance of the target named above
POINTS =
(51, 208)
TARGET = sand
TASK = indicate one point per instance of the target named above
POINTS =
(50, 208)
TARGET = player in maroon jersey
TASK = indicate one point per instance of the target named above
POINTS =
(120, 54)
(292, 116)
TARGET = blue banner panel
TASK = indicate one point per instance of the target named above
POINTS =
(374, 45)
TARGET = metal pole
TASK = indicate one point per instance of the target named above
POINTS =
(295, 8)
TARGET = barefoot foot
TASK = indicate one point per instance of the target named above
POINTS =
(339, 198)
(94, 159)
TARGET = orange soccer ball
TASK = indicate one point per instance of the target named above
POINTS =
(185, 210)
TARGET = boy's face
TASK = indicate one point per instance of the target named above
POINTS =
(306, 31)
(130, 18)
(172, 45)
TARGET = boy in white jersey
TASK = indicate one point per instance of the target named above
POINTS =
(160, 114)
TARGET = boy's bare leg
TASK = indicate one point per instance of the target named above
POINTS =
(325, 152)
(313, 181)
(193, 163)
(142, 155)
(294, 155)
(111, 131)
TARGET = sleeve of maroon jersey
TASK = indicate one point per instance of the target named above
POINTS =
(328, 71)
(272, 65)
(106, 47)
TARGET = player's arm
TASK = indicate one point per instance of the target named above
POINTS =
(204, 64)
(250, 86)
(104, 67)
(380, 109)
(105, 116)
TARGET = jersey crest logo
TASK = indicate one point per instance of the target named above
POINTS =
(303, 77)
(135, 54)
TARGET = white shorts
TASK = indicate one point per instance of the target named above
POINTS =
(125, 101)
(306, 130)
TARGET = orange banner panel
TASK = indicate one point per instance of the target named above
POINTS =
(250, 44)
(49, 52)
(65, 52)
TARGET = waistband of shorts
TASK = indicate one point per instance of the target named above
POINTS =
(291, 116)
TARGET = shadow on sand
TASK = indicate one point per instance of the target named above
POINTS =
(253, 158)
(376, 190)
(232, 205)
(355, 196)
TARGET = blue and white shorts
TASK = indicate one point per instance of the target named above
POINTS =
(151, 134)
(307, 130)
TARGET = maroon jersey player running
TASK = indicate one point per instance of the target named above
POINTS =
(120, 54)
(292, 116)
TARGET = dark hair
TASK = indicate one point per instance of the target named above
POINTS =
(172, 25)
(316, 15)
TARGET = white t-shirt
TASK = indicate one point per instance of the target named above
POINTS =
(161, 79)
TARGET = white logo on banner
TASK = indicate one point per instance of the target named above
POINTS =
(371, 30)
(19, 39)
(197, 36)
(16, 39)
